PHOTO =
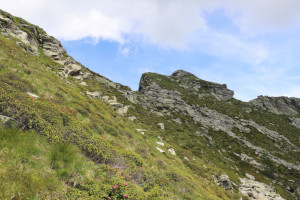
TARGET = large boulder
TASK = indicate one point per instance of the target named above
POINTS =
(224, 181)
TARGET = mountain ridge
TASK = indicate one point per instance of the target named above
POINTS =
(177, 137)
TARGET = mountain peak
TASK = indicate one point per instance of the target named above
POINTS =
(181, 73)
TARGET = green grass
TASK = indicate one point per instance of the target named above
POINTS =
(25, 165)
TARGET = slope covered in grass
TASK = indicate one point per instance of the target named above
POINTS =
(72, 141)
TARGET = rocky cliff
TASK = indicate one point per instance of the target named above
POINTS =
(278, 105)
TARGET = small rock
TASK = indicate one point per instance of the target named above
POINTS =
(178, 121)
(224, 182)
(161, 126)
(32, 95)
(79, 77)
(140, 130)
(160, 150)
(132, 118)
(83, 84)
(250, 176)
(172, 151)
(94, 94)
(160, 143)
(122, 111)
(186, 158)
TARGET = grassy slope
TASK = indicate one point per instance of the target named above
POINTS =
(64, 115)
(112, 152)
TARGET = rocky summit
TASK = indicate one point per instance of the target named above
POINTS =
(70, 133)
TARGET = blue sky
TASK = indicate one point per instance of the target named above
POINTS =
(252, 46)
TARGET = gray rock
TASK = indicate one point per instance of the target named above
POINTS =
(83, 84)
(32, 95)
(122, 111)
(250, 176)
(296, 122)
(255, 190)
(160, 150)
(172, 151)
(160, 143)
(177, 120)
(132, 118)
(140, 130)
(161, 126)
(96, 95)
(197, 85)
(224, 182)
(87, 75)
(278, 105)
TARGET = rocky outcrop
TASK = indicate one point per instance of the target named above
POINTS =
(32, 38)
(164, 102)
(296, 122)
(255, 190)
(24, 32)
(278, 105)
(200, 87)
(190, 83)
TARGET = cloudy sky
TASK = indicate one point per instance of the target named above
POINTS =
(251, 45)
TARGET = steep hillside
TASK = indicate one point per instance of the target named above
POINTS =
(70, 133)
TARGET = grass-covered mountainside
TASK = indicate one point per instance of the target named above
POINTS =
(70, 133)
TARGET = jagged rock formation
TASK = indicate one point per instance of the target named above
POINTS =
(163, 102)
(31, 38)
(278, 105)
(190, 83)
(197, 85)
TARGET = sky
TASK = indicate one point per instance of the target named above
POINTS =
(253, 46)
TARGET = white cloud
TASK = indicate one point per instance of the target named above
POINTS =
(124, 51)
(263, 16)
(168, 23)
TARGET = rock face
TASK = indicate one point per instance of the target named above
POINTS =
(197, 85)
(296, 122)
(192, 84)
(165, 95)
(278, 105)
(255, 190)
(32, 38)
